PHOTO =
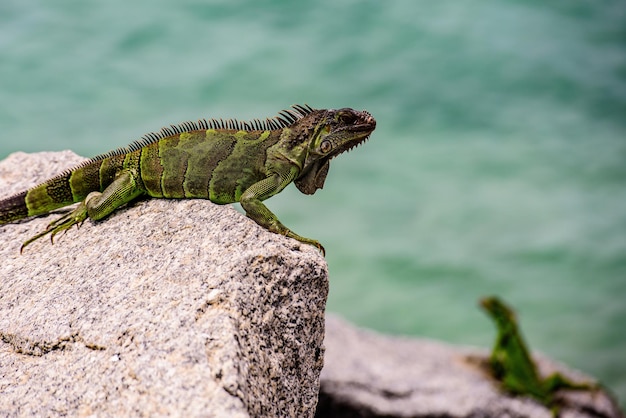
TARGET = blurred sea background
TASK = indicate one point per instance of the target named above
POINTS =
(498, 165)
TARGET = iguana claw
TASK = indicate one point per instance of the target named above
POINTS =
(289, 233)
(75, 217)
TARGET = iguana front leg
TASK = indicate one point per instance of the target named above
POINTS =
(95, 206)
(251, 202)
(557, 381)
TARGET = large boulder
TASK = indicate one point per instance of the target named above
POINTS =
(179, 308)
(368, 375)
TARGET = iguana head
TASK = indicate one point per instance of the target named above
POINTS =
(334, 132)
(498, 310)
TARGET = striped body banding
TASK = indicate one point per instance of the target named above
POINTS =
(192, 151)
(224, 161)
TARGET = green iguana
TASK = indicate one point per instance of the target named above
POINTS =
(224, 161)
(511, 364)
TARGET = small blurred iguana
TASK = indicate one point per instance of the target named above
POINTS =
(511, 364)
(223, 161)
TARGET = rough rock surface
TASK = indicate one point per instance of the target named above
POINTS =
(371, 375)
(178, 308)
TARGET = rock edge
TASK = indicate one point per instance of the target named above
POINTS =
(206, 314)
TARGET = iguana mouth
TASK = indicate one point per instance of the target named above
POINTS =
(367, 132)
(363, 127)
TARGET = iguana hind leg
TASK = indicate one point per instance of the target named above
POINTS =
(75, 217)
(95, 206)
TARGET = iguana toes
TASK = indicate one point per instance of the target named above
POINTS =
(224, 161)
(511, 364)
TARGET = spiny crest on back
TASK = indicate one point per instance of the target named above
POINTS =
(284, 119)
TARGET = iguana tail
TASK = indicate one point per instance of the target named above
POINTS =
(68, 187)
(13, 208)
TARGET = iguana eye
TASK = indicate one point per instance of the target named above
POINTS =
(347, 118)
(326, 146)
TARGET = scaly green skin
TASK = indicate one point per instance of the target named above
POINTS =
(223, 161)
(511, 364)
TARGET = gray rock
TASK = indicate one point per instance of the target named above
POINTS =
(367, 374)
(180, 308)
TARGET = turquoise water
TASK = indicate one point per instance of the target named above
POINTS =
(498, 165)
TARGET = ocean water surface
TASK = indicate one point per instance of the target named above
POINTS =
(498, 165)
